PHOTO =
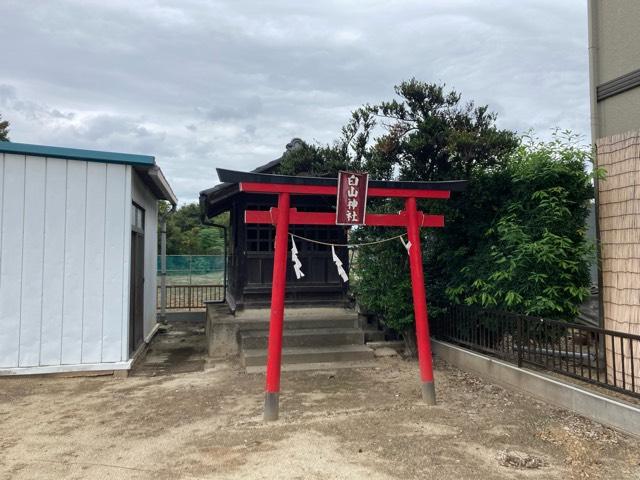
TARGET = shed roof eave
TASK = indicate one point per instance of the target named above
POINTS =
(76, 154)
(154, 179)
(161, 182)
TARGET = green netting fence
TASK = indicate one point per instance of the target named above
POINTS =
(194, 269)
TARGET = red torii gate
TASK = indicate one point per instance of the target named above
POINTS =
(282, 216)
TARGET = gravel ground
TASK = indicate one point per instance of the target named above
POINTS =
(342, 424)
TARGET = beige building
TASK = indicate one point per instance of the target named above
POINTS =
(614, 48)
(614, 61)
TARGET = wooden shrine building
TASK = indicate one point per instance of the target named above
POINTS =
(251, 247)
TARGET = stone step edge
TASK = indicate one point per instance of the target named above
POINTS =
(301, 332)
(304, 367)
(257, 352)
(289, 321)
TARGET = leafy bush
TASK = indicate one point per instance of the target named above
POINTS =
(381, 279)
(534, 257)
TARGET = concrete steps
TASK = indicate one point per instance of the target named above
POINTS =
(313, 339)
(297, 355)
(297, 324)
(307, 337)
(298, 314)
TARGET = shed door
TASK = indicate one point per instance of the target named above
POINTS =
(136, 304)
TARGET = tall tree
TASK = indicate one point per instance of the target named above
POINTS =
(187, 236)
(432, 135)
(4, 130)
(429, 134)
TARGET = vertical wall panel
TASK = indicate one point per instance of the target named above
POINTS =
(32, 261)
(11, 254)
(74, 263)
(94, 263)
(151, 265)
(55, 196)
(1, 207)
(126, 264)
(143, 197)
(116, 203)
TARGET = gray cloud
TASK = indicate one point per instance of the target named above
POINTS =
(220, 83)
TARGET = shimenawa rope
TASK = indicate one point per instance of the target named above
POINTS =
(348, 245)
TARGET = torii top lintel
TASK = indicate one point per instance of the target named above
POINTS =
(268, 183)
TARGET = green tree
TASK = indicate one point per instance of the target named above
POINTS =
(4, 130)
(429, 134)
(432, 135)
(187, 236)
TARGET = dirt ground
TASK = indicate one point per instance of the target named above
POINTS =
(204, 420)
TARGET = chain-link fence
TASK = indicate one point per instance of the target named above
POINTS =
(194, 269)
(192, 280)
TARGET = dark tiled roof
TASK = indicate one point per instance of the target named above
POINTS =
(215, 200)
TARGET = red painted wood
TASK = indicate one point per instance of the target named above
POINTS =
(329, 218)
(432, 220)
(419, 294)
(404, 193)
(274, 351)
(252, 187)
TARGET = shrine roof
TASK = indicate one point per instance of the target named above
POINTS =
(216, 200)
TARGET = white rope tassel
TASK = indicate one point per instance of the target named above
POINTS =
(406, 244)
(338, 262)
(297, 265)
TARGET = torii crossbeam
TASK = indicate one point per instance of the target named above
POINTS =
(282, 216)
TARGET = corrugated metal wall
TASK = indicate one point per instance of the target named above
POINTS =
(64, 268)
(619, 216)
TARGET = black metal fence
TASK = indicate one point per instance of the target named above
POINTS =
(191, 297)
(606, 358)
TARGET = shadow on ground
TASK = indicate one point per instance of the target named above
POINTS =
(178, 347)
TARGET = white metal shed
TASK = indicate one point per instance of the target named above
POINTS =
(78, 249)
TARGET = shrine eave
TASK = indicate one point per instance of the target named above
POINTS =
(233, 176)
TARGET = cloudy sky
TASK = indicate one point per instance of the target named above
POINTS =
(201, 84)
